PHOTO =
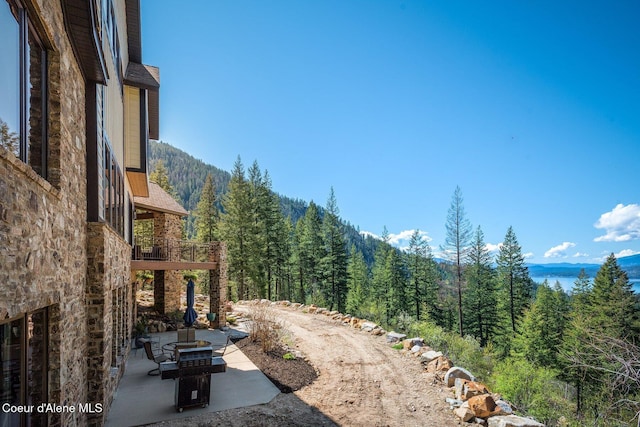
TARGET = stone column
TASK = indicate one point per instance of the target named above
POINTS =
(168, 285)
(218, 284)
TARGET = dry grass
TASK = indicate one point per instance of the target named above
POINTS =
(265, 327)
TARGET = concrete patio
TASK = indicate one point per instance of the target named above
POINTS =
(143, 399)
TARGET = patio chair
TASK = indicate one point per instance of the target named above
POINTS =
(157, 356)
(219, 353)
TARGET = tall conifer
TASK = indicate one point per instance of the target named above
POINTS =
(456, 247)
(336, 259)
(515, 283)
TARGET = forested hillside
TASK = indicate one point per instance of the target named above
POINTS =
(187, 177)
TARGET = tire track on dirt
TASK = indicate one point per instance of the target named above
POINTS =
(363, 381)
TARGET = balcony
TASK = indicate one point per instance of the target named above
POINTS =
(150, 253)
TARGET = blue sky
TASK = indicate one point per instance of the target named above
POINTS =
(531, 107)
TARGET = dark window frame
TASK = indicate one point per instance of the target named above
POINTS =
(32, 150)
(32, 383)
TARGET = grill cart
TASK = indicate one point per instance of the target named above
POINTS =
(192, 374)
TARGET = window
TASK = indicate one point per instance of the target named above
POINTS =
(23, 369)
(23, 88)
(110, 31)
(106, 191)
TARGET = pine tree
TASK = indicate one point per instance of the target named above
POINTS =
(257, 238)
(379, 278)
(235, 225)
(542, 327)
(336, 259)
(457, 242)
(311, 254)
(397, 278)
(161, 177)
(513, 278)
(421, 269)
(572, 343)
(8, 139)
(206, 213)
(480, 297)
(612, 307)
(283, 255)
(601, 336)
(358, 283)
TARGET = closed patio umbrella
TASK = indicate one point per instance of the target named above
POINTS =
(190, 315)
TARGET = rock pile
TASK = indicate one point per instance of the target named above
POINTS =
(170, 322)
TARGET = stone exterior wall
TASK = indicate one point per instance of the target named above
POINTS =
(109, 313)
(42, 225)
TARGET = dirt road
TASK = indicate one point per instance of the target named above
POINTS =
(362, 382)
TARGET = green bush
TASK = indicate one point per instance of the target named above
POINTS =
(534, 390)
(289, 356)
(397, 346)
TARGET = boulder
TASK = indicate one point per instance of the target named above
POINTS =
(466, 389)
(457, 372)
(368, 326)
(483, 406)
(465, 414)
(412, 342)
(439, 366)
(394, 337)
(505, 407)
(429, 356)
(455, 403)
(512, 421)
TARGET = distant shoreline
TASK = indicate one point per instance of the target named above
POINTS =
(567, 282)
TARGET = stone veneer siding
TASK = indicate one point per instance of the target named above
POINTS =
(168, 284)
(109, 322)
(42, 225)
(218, 284)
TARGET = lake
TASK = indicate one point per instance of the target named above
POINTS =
(568, 282)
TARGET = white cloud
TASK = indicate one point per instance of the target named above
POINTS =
(528, 255)
(559, 251)
(626, 252)
(493, 248)
(370, 234)
(396, 239)
(401, 239)
(580, 255)
(621, 224)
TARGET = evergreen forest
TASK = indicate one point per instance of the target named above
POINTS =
(566, 359)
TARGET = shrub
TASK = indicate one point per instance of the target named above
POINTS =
(464, 352)
(265, 328)
(289, 356)
(534, 390)
(397, 346)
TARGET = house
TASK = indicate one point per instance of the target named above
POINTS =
(77, 107)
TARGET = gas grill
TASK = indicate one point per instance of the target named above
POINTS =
(192, 372)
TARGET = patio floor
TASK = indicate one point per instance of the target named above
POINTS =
(143, 399)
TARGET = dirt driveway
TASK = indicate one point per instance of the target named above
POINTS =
(362, 382)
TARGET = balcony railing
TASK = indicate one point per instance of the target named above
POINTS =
(154, 249)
